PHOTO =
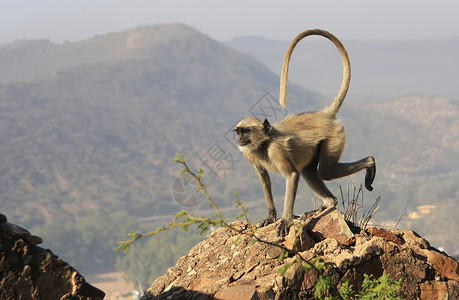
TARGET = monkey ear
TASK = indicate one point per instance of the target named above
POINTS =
(266, 126)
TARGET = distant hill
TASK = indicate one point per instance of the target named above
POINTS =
(88, 131)
(380, 69)
(92, 126)
(99, 121)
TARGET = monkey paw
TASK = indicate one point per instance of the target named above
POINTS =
(283, 228)
(312, 213)
(370, 176)
(266, 222)
(304, 216)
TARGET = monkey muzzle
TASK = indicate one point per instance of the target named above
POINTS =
(243, 143)
(242, 138)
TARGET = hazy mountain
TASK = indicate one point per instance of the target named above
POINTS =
(94, 125)
(88, 131)
(382, 69)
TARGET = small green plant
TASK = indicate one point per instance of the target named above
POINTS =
(382, 288)
(324, 284)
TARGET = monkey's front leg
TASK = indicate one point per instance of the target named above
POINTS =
(290, 194)
(265, 180)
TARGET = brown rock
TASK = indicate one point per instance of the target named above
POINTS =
(265, 286)
(306, 255)
(331, 224)
(31, 272)
(298, 238)
(180, 293)
(413, 239)
(218, 267)
(293, 277)
(453, 289)
(329, 246)
(201, 283)
(17, 232)
(237, 292)
(434, 290)
(385, 234)
(274, 252)
(445, 265)
(309, 279)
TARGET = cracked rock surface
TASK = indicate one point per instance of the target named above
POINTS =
(227, 265)
(28, 271)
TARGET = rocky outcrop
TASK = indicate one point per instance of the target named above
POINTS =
(227, 265)
(28, 271)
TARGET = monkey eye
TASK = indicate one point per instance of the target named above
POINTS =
(240, 130)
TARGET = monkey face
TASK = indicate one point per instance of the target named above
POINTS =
(243, 136)
(252, 133)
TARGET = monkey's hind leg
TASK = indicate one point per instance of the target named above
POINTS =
(330, 168)
(339, 170)
(317, 185)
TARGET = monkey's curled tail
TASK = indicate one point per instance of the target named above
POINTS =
(336, 104)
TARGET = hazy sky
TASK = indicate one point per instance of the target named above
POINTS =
(71, 20)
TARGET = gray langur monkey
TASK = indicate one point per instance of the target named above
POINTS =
(309, 144)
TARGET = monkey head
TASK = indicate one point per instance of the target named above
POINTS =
(251, 133)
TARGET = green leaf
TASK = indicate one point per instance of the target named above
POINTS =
(203, 226)
(124, 247)
(178, 157)
(120, 247)
(282, 269)
(283, 255)
(134, 235)
(180, 214)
